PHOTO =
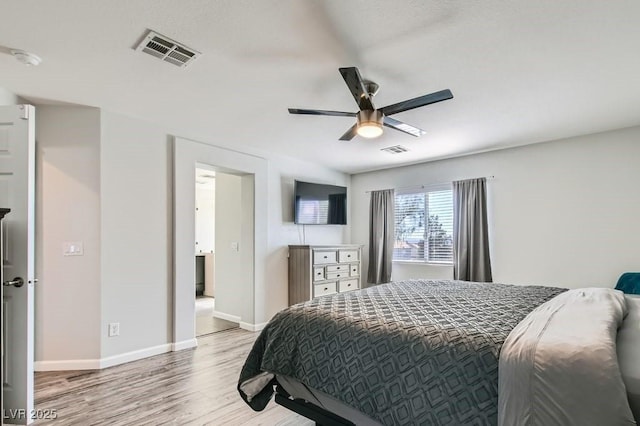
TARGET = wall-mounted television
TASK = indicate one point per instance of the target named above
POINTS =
(319, 204)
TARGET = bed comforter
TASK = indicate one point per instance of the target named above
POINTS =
(410, 352)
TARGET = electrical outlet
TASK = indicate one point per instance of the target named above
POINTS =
(114, 329)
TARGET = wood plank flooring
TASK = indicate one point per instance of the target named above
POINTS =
(206, 323)
(190, 387)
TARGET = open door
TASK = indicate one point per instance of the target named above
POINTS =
(17, 192)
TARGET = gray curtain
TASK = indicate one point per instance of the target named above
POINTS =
(471, 260)
(381, 235)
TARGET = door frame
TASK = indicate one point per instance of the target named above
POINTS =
(186, 155)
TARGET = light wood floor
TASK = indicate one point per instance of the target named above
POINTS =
(206, 323)
(190, 387)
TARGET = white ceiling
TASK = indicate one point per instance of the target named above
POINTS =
(521, 71)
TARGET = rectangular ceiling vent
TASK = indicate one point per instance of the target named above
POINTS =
(396, 149)
(167, 50)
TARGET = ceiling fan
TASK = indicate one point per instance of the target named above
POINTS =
(371, 119)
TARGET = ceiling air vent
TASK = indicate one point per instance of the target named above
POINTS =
(396, 149)
(167, 50)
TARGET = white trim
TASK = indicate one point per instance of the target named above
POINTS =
(228, 317)
(252, 327)
(70, 364)
(98, 364)
(186, 155)
(185, 344)
(134, 355)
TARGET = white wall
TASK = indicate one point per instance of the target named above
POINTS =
(106, 180)
(561, 213)
(205, 218)
(282, 231)
(136, 241)
(9, 98)
(67, 209)
(231, 285)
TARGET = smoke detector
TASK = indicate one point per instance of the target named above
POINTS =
(167, 50)
(26, 58)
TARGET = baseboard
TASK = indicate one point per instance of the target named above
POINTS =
(98, 364)
(185, 344)
(243, 325)
(252, 327)
(69, 364)
(227, 317)
(135, 355)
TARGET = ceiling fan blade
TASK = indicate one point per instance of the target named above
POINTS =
(431, 98)
(349, 134)
(403, 127)
(354, 82)
(321, 112)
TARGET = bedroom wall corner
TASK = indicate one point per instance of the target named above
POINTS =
(9, 98)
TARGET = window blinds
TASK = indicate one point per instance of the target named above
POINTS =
(424, 226)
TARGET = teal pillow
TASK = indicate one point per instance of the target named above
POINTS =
(629, 283)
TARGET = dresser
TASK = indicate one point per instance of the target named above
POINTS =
(321, 270)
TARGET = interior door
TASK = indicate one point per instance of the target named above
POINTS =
(17, 192)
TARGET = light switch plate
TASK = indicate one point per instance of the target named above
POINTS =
(72, 248)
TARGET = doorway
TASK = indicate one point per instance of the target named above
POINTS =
(240, 245)
(205, 226)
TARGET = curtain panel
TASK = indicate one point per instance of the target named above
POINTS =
(381, 236)
(471, 260)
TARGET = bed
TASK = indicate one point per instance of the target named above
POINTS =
(429, 352)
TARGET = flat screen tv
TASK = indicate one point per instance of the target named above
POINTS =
(318, 204)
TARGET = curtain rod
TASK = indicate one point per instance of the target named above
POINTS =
(426, 185)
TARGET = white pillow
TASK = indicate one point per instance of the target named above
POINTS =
(628, 343)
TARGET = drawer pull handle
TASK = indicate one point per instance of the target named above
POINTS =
(338, 275)
(348, 255)
(326, 288)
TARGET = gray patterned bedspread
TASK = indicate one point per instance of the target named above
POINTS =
(409, 352)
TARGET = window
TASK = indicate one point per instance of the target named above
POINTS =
(424, 226)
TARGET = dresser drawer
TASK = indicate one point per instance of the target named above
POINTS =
(348, 256)
(338, 268)
(354, 270)
(347, 285)
(324, 289)
(318, 274)
(336, 275)
(324, 257)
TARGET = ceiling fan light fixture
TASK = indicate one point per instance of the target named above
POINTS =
(369, 123)
(370, 130)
